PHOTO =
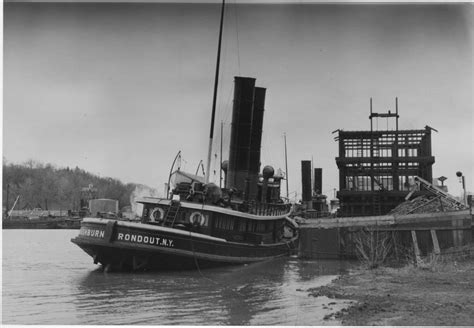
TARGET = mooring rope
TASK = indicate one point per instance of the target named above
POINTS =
(197, 263)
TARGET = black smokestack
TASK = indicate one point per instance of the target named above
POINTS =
(244, 90)
(256, 141)
(306, 180)
(318, 180)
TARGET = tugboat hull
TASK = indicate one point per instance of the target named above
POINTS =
(135, 246)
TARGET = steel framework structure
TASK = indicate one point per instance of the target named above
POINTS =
(377, 168)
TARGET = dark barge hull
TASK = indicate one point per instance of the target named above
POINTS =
(136, 246)
(32, 224)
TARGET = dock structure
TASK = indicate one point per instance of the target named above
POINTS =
(377, 167)
(427, 224)
(425, 233)
(386, 193)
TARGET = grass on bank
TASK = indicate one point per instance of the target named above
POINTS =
(376, 249)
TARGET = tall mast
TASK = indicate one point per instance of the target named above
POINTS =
(286, 168)
(214, 100)
(220, 160)
(312, 175)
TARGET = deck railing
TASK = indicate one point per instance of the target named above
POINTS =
(268, 209)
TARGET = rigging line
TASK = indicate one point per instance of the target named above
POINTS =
(214, 98)
(228, 106)
(197, 264)
(237, 35)
(266, 150)
(195, 258)
(224, 102)
(223, 73)
(194, 253)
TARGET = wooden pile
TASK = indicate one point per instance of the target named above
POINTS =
(424, 204)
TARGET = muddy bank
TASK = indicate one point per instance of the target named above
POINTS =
(441, 292)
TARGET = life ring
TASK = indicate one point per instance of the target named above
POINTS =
(158, 214)
(197, 218)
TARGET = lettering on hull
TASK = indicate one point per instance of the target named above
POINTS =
(96, 233)
(143, 239)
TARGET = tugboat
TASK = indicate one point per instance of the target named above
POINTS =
(199, 224)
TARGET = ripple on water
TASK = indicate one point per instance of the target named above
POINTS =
(48, 280)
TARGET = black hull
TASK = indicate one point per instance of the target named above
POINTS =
(70, 224)
(123, 259)
(13, 224)
(120, 246)
(54, 223)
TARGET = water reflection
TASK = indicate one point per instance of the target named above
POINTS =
(48, 280)
(270, 292)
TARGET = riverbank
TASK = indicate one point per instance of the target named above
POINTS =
(439, 292)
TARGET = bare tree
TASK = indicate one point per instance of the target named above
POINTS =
(373, 246)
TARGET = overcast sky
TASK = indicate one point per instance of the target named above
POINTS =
(118, 89)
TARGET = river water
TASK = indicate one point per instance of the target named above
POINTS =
(48, 280)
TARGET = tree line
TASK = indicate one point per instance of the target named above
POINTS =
(48, 187)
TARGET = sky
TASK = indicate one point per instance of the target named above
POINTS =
(118, 89)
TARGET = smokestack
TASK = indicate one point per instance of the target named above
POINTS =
(306, 180)
(318, 180)
(256, 141)
(244, 90)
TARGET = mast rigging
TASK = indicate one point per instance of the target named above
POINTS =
(214, 100)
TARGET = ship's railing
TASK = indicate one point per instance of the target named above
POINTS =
(313, 214)
(268, 209)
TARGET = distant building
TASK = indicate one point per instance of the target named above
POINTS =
(376, 168)
(87, 194)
